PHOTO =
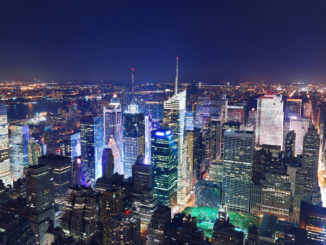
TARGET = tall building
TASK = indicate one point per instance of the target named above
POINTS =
(133, 137)
(293, 108)
(164, 161)
(144, 201)
(290, 143)
(237, 166)
(4, 147)
(126, 229)
(79, 214)
(313, 220)
(34, 151)
(80, 175)
(40, 199)
(60, 173)
(159, 224)
(113, 128)
(174, 118)
(18, 149)
(91, 136)
(148, 129)
(270, 118)
(69, 145)
(300, 127)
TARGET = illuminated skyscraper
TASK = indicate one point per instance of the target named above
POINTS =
(293, 108)
(18, 149)
(237, 167)
(174, 118)
(300, 127)
(91, 137)
(4, 147)
(164, 161)
(70, 145)
(148, 129)
(34, 151)
(113, 127)
(133, 137)
(270, 118)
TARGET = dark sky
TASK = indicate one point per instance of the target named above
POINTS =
(216, 40)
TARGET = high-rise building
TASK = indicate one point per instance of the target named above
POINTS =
(80, 173)
(34, 151)
(313, 220)
(60, 172)
(91, 135)
(79, 214)
(4, 147)
(18, 149)
(69, 145)
(290, 143)
(40, 199)
(113, 128)
(269, 122)
(148, 129)
(293, 108)
(164, 161)
(126, 229)
(144, 201)
(300, 127)
(160, 221)
(235, 113)
(237, 166)
(133, 137)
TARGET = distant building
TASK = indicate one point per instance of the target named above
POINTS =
(70, 146)
(159, 224)
(290, 143)
(34, 151)
(80, 175)
(300, 127)
(164, 161)
(270, 119)
(40, 199)
(293, 108)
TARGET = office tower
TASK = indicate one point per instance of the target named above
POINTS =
(133, 137)
(293, 108)
(164, 161)
(224, 233)
(191, 172)
(307, 109)
(310, 159)
(269, 123)
(228, 127)
(126, 229)
(118, 166)
(34, 151)
(107, 163)
(290, 143)
(69, 145)
(4, 147)
(183, 230)
(113, 128)
(15, 230)
(40, 199)
(79, 214)
(300, 127)
(111, 205)
(313, 220)
(148, 129)
(276, 195)
(237, 166)
(144, 201)
(60, 173)
(235, 113)
(160, 221)
(215, 173)
(80, 175)
(51, 138)
(91, 137)
(18, 149)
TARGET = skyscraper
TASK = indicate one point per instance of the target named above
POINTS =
(91, 135)
(159, 224)
(300, 127)
(34, 151)
(18, 149)
(4, 147)
(237, 167)
(164, 161)
(133, 137)
(269, 120)
(290, 143)
(174, 118)
(40, 199)
(113, 128)
(293, 108)
(70, 145)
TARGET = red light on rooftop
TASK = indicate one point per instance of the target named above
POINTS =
(132, 69)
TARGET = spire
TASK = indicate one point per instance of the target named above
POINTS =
(176, 75)
(132, 82)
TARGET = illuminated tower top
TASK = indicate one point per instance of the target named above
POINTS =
(176, 76)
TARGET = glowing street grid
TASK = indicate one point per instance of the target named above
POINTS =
(206, 217)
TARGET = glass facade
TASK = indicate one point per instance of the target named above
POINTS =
(4, 147)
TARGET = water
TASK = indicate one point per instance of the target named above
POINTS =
(22, 111)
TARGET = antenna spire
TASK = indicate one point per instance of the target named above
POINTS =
(176, 75)
(132, 82)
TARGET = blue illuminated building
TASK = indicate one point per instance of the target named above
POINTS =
(164, 159)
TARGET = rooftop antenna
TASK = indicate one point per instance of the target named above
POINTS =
(176, 75)
(132, 82)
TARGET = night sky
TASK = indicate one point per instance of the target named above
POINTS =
(216, 40)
